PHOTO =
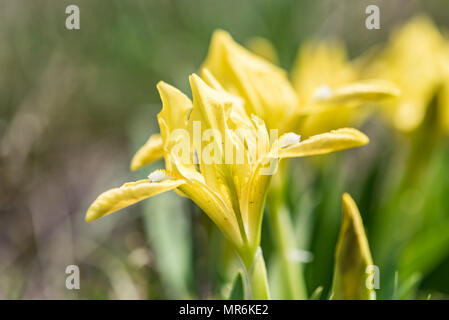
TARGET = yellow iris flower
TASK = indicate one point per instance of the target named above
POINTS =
(416, 59)
(231, 193)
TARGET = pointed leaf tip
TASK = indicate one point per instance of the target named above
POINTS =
(238, 287)
(352, 257)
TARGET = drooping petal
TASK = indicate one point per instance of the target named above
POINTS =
(128, 194)
(338, 107)
(329, 90)
(352, 257)
(341, 139)
(151, 151)
(356, 93)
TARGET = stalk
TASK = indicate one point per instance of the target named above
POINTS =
(256, 278)
(284, 239)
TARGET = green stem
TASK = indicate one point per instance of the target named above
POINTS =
(292, 273)
(294, 287)
(256, 277)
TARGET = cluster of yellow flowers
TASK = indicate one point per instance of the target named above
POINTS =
(237, 88)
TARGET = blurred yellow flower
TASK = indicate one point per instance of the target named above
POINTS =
(329, 87)
(230, 192)
(263, 48)
(320, 67)
(268, 93)
(264, 87)
(415, 60)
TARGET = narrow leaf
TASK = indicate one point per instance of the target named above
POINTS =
(352, 257)
(238, 288)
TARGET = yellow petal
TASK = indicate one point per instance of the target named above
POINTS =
(208, 108)
(331, 109)
(359, 92)
(253, 197)
(128, 194)
(341, 139)
(444, 107)
(218, 210)
(211, 81)
(320, 65)
(209, 200)
(337, 108)
(352, 257)
(151, 151)
(176, 108)
(209, 104)
(263, 48)
(264, 86)
(327, 117)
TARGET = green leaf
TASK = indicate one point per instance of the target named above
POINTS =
(168, 231)
(238, 288)
(352, 257)
(167, 228)
(426, 250)
(408, 287)
(257, 277)
(275, 278)
(316, 295)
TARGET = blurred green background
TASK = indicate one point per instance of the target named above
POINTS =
(75, 105)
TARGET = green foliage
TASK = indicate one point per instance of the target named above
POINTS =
(75, 105)
(238, 288)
